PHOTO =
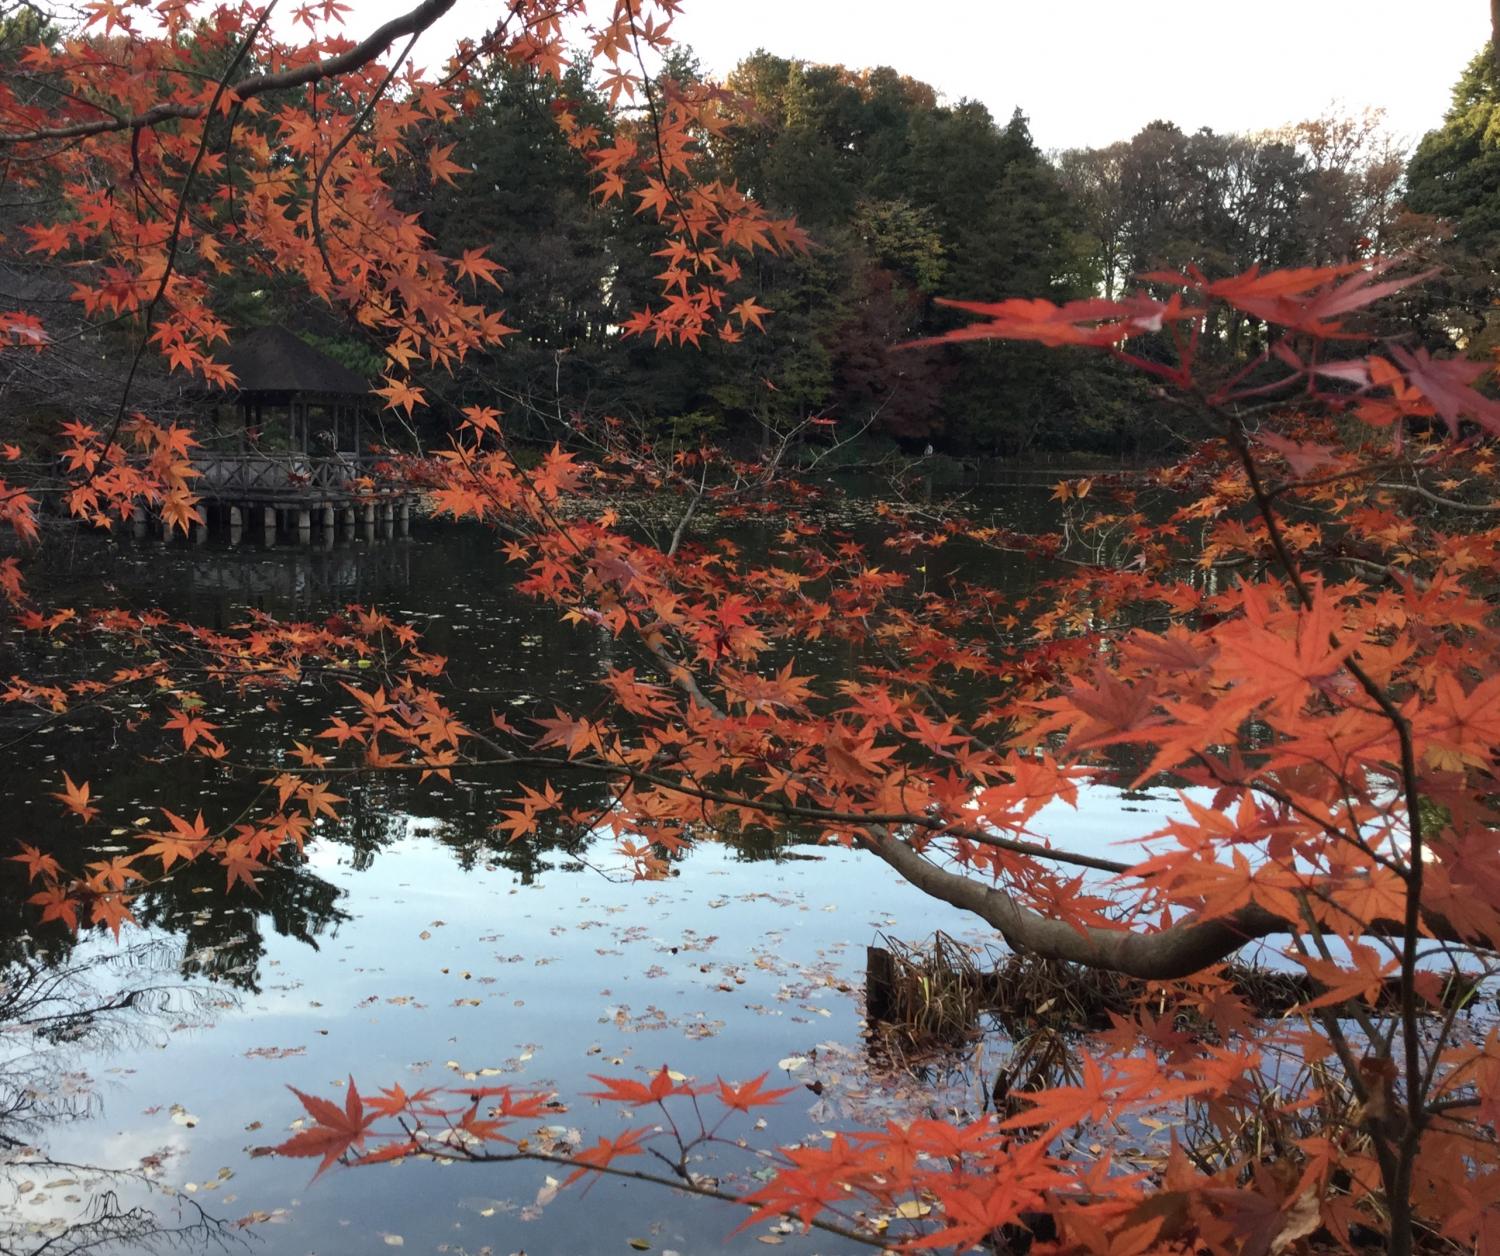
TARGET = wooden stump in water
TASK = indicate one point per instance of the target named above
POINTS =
(880, 983)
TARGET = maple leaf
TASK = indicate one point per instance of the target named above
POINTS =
(1448, 384)
(747, 311)
(319, 800)
(39, 866)
(112, 910)
(482, 418)
(656, 197)
(192, 727)
(605, 1151)
(747, 1095)
(240, 865)
(440, 167)
(1095, 323)
(335, 1130)
(1302, 458)
(576, 735)
(57, 904)
(475, 266)
(76, 799)
(401, 394)
(629, 1091)
(1361, 979)
(52, 238)
(1309, 299)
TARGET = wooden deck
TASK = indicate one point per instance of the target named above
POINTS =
(295, 493)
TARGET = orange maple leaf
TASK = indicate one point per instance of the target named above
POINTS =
(76, 799)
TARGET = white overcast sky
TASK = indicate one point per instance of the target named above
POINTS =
(1091, 71)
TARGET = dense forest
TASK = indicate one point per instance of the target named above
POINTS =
(907, 198)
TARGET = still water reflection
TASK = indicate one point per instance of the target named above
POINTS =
(414, 945)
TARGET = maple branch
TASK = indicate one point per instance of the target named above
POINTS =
(1178, 951)
(1449, 503)
(459, 1152)
(349, 134)
(1398, 1183)
(1172, 953)
(174, 241)
(410, 23)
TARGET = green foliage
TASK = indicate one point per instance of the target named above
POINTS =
(354, 354)
(1454, 179)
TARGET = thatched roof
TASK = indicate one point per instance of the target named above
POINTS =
(273, 360)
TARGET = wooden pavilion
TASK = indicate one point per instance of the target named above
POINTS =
(293, 444)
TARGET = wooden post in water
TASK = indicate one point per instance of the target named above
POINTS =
(268, 523)
(304, 525)
(328, 518)
(880, 983)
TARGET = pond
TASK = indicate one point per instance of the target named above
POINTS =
(414, 945)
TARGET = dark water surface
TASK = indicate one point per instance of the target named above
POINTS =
(414, 946)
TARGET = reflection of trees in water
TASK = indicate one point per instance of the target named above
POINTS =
(50, 1015)
(503, 652)
(224, 937)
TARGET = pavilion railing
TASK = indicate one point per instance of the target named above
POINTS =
(263, 474)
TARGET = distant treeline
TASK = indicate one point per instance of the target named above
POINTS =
(908, 198)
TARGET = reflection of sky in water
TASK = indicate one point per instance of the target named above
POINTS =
(724, 969)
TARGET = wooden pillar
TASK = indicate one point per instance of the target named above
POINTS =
(403, 517)
(268, 520)
(327, 517)
(348, 519)
(304, 525)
